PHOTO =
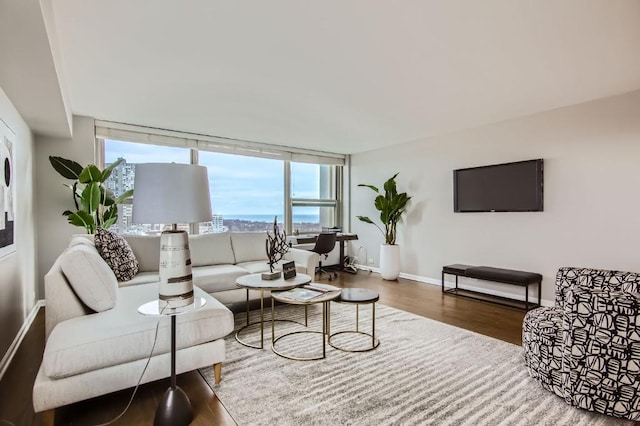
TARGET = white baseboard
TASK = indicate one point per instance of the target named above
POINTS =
(434, 281)
(367, 268)
(13, 348)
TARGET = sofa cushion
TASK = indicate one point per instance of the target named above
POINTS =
(146, 248)
(122, 335)
(248, 246)
(142, 278)
(116, 252)
(211, 249)
(86, 239)
(217, 277)
(90, 277)
(258, 266)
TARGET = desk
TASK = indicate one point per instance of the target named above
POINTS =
(310, 238)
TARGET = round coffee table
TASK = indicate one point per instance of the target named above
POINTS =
(255, 282)
(325, 299)
(359, 296)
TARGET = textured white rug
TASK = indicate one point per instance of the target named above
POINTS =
(423, 372)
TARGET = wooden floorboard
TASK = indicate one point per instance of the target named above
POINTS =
(490, 319)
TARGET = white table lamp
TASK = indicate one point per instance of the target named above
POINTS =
(169, 193)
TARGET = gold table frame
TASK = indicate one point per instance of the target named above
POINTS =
(325, 299)
(256, 283)
(375, 342)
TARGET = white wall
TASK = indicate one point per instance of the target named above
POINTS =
(591, 212)
(52, 197)
(17, 269)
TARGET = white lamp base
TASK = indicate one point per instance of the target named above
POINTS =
(176, 281)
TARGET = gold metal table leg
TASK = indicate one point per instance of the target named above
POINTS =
(373, 325)
(273, 320)
(324, 328)
(328, 321)
(247, 305)
(261, 319)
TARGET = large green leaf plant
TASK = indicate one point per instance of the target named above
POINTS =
(391, 205)
(95, 205)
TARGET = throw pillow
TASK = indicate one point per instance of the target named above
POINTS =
(90, 277)
(116, 252)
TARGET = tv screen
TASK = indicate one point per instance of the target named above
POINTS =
(509, 187)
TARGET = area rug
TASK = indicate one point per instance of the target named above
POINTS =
(424, 372)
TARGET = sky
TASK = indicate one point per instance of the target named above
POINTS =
(239, 185)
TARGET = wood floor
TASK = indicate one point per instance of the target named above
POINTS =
(422, 299)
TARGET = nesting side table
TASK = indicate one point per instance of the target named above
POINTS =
(325, 299)
(358, 296)
(255, 282)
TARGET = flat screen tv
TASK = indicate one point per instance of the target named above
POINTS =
(508, 187)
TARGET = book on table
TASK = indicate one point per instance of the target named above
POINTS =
(322, 288)
(300, 294)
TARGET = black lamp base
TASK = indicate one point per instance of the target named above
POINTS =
(174, 409)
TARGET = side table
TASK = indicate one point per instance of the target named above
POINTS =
(174, 408)
(255, 282)
(325, 299)
(358, 296)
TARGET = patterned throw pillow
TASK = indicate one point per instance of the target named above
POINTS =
(116, 252)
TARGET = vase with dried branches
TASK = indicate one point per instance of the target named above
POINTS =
(276, 246)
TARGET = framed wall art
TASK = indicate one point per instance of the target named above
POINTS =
(7, 191)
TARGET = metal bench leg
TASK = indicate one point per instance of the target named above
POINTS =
(540, 293)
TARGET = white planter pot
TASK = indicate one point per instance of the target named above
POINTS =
(389, 261)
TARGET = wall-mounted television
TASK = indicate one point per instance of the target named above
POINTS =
(508, 187)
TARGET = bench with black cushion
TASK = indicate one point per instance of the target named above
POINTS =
(500, 275)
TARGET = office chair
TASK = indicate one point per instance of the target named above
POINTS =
(324, 245)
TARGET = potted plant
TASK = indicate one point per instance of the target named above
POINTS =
(391, 206)
(95, 204)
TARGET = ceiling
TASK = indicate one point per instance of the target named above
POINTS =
(338, 75)
(28, 67)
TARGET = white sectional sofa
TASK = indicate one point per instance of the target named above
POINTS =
(217, 260)
(98, 343)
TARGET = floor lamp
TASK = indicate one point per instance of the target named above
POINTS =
(172, 193)
(169, 193)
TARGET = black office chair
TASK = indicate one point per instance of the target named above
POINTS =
(325, 243)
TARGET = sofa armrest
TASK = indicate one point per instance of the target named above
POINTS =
(60, 299)
(303, 258)
(601, 352)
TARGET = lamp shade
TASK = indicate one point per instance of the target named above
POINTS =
(171, 193)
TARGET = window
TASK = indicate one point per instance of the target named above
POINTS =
(313, 197)
(246, 192)
(250, 183)
(122, 177)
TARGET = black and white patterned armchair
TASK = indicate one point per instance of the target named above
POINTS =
(586, 348)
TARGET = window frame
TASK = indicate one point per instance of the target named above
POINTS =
(337, 178)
